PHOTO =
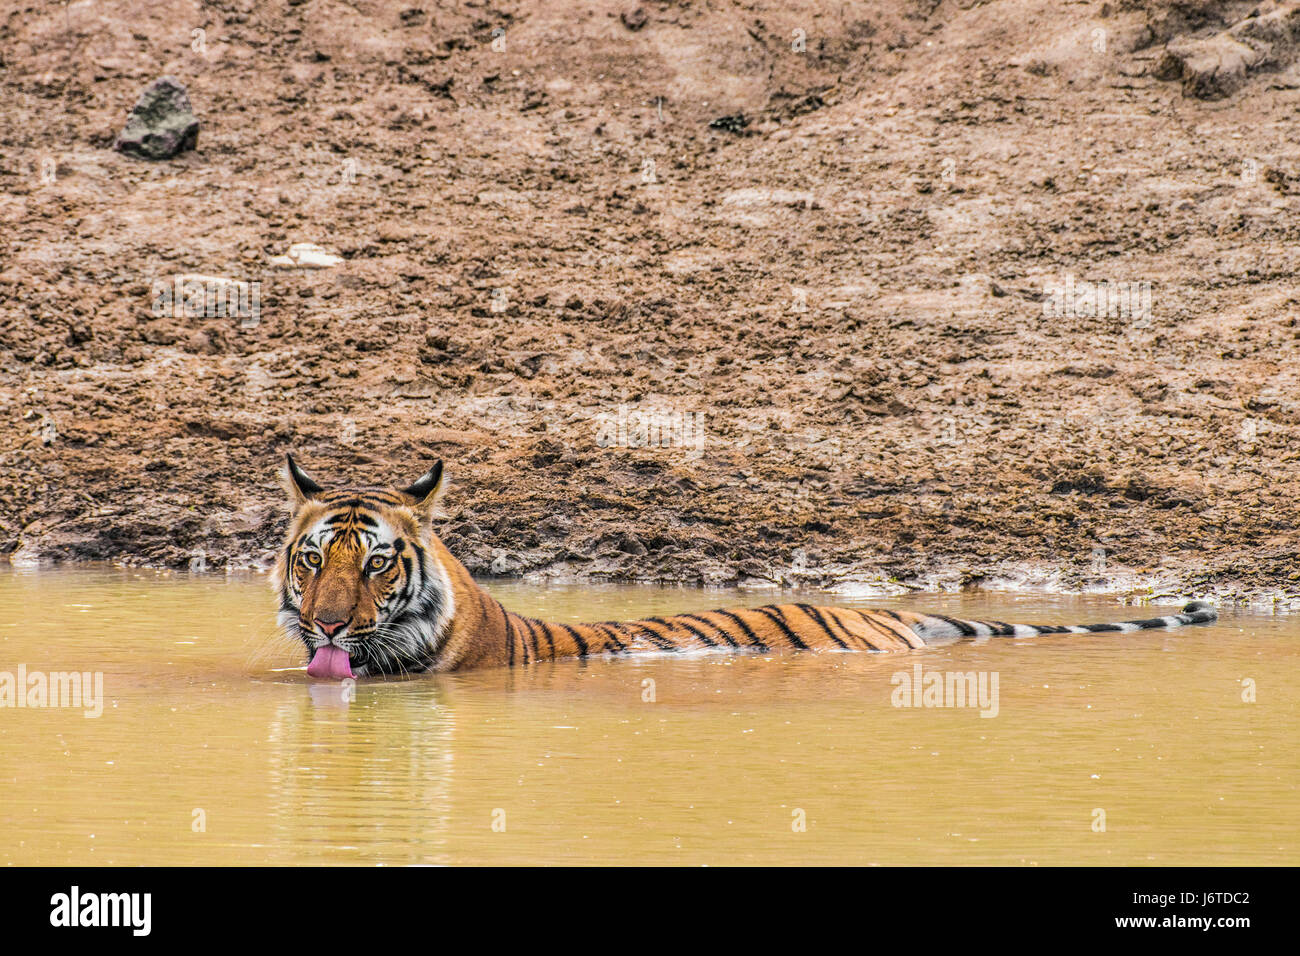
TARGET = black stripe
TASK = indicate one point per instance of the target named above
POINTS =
(964, 629)
(546, 633)
(532, 634)
(725, 636)
(383, 497)
(523, 645)
(678, 622)
(815, 615)
(419, 557)
(754, 638)
(577, 638)
(1147, 624)
(659, 641)
(374, 500)
(412, 590)
(899, 618)
(779, 620)
(352, 514)
(510, 628)
(353, 508)
(619, 646)
(879, 629)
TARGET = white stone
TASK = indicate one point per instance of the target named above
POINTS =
(306, 255)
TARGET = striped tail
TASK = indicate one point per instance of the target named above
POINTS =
(936, 626)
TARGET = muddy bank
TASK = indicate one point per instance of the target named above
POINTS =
(914, 294)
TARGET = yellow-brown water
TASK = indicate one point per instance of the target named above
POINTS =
(213, 746)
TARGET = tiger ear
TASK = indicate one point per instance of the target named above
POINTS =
(424, 492)
(298, 483)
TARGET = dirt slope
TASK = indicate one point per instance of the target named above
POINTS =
(843, 305)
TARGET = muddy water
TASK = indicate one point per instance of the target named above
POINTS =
(214, 747)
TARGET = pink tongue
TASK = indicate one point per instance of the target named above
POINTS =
(330, 663)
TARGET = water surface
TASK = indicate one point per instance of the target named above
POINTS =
(213, 747)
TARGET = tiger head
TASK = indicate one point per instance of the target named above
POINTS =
(359, 578)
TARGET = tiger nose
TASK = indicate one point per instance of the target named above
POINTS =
(330, 627)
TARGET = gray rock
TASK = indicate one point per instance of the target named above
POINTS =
(1211, 68)
(634, 18)
(161, 124)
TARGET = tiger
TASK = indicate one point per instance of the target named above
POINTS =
(369, 589)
